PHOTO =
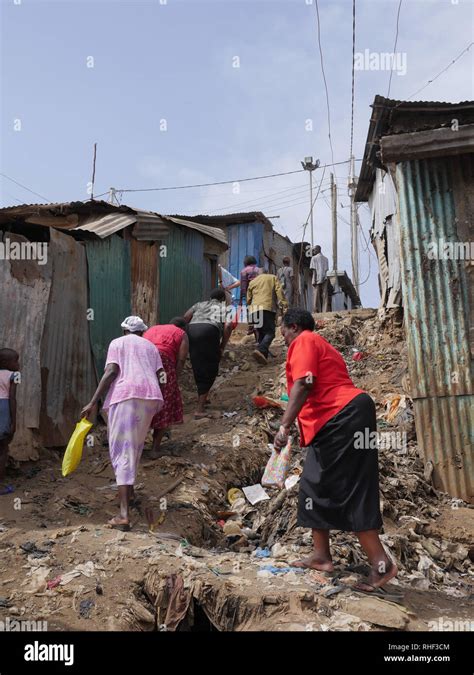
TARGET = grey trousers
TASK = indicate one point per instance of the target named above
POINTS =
(321, 297)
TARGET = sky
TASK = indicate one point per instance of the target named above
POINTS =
(180, 92)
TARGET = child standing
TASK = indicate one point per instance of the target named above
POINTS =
(9, 366)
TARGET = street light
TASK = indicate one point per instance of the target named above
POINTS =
(308, 165)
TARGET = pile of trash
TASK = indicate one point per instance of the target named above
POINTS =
(259, 519)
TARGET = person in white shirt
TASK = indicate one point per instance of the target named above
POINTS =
(320, 265)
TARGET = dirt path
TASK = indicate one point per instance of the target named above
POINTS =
(51, 525)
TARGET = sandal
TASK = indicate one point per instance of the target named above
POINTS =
(379, 592)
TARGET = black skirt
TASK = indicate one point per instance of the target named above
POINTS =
(205, 354)
(339, 487)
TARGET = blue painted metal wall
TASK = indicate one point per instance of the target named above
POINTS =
(435, 297)
(244, 239)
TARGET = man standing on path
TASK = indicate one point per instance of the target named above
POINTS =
(264, 294)
(320, 265)
(285, 276)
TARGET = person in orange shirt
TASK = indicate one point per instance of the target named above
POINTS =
(339, 486)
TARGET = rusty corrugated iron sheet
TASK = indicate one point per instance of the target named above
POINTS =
(436, 305)
(67, 369)
(25, 287)
(108, 264)
(444, 431)
(104, 226)
(145, 290)
(213, 232)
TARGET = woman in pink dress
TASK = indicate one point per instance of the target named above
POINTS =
(131, 386)
(172, 342)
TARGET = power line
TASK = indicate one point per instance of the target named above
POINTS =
(265, 201)
(325, 84)
(353, 70)
(226, 182)
(394, 49)
(24, 187)
(444, 70)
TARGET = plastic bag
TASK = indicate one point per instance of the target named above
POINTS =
(73, 453)
(277, 467)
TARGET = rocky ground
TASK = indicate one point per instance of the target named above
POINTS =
(208, 559)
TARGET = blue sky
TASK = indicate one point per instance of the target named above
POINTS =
(175, 62)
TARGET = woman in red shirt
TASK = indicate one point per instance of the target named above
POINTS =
(339, 487)
(172, 342)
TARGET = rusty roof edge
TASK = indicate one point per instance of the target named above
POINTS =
(382, 113)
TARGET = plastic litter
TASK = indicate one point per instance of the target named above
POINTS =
(73, 453)
(255, 493)
(277, 467)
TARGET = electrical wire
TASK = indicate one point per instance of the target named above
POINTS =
(394, 49)
(25, 187)
(325, 85)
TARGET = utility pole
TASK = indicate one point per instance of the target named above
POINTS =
(308, 165)
(334, 222)
(93, 172)
(112, 196)
(354, 243)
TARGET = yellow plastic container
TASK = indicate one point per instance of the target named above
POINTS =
(73, 453)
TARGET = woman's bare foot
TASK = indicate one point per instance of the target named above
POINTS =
(377, 579)
(119, 523)
(313, 562)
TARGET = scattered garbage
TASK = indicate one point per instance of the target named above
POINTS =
(358, 356)
(85, 608)
(87, 569)
(53, 582)
(281, 570)
(262, 553)
(255, 493)
(7, 490)
(265, 402)
(31, 549)
(77, 506)
(291, 481)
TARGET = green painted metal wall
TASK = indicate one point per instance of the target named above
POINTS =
(108, 262)
(181, 273)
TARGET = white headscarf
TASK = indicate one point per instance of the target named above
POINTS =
(134, 324)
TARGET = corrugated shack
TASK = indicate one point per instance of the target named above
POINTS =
(418, 177)
(102, 263)
(252, 233)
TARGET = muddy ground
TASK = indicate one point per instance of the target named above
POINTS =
(198, 566)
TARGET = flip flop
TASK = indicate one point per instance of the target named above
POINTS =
(379, 592)
(123, 527)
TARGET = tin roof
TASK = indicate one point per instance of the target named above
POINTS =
(390, 116)
(103, 219)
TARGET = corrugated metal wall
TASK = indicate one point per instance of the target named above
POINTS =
(145, 291)
(244, 239)
(67, 369)
(108, 262)
(181, 272)
(435, 296)
(25, 287)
